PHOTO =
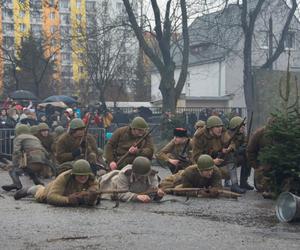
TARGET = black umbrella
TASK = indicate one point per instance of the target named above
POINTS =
(60, 98)
(23, 95)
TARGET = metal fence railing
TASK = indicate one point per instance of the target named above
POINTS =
(7, 137)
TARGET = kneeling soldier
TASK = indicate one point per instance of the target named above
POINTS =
(137, 178)
(178, 152)
(71, 188)
(204, 174)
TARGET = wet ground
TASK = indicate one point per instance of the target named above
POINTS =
(249, 223)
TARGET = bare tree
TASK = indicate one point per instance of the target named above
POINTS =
(163, 60)
(107, 58)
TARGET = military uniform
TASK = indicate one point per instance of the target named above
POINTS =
(28, 155)
(65, 190)
(257, 142)
(179, 151)
(126, 180)
(191, 178)
(120, 142)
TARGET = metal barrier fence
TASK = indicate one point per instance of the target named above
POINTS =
(7, 136)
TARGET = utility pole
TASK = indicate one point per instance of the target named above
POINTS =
(270, 41)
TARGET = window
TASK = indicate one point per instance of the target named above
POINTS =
(90, 6)
(8, 27)
(53, 29)
(78, 4)
(290, 40)
(81, 69)
(7, 13)
(66, 57)
(52, 15)
(22, 27)
(22, 13)
(8, 42)
(78, 17)
(65, 19)
(64, 4)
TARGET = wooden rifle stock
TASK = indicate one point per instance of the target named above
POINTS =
(136, 144)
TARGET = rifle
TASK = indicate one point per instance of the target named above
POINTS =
(84, 138)
(136, 144)
(222, 155)
(183, 156)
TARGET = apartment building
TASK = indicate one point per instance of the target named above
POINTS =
(59, 22)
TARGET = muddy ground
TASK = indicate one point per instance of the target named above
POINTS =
(249, 223)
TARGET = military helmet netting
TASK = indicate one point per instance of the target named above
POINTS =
(77, 123)
(81, 167)
(214, 121)
(139, 123)
(22, 129)
(34, 129)
(205, 162)
(59, 130)
(43, 126)
(141, 166)
(199, 124)
(235, 122)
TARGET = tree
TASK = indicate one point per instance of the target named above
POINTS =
(34, 69)
(108, 55)
(163, 60)
(248, 19)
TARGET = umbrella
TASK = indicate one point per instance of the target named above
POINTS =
(60, 98)
(54, 104)
(23, 95)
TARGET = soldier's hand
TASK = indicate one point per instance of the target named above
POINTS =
(213, 192)
(133, 150)
(113, 165)
(160, 193)
(90, 198)
(76, 152)
(143, 198)
(218, 161)
(73, 199)
(174, 162)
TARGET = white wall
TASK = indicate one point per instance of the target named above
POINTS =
(203, 80)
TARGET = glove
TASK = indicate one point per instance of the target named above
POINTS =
(76, 152)
(90, 198)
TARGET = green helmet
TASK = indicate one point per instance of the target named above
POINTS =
(199, 124)
(205, 162)
(81, 167)
(141, 166)
(43, 126)
(77, 124)
(235, 122)
(22, 129)
(214, 121)
(34, 129)
(59, 130)
(139, 122)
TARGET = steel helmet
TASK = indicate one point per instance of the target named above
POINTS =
(214, 121)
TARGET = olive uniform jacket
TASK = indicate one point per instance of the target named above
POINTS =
(120, 142)
(33, 148)
(124, 179)
(66, 144)
(205, 143)
(47, 142)
(173, 151)
(57, 191)
(191, 178)
(257, 142)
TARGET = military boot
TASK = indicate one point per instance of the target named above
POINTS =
(21, 193)
(235, 188)
(245, 173)
(234, 180)
(14, 174)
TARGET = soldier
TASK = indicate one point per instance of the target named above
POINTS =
(76, 144)
(58, 131)
(257, 142)
(74, 187)
(34, 129)
(199, 125)
(240, 158)
(45, 137)
(137, 178)
(204, 174)
(213, 140)
(28, 156)
(177, 153)
(123, 140)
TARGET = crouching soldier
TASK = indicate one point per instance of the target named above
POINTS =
(137, 178)
(28, 156)
(204, 174)
(177, 153)
(74, 187)
(76, 144)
